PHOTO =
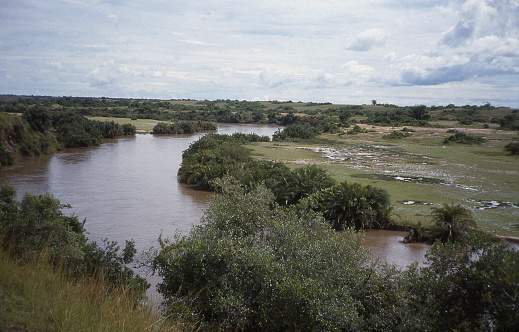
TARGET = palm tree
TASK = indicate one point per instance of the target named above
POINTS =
(453, 221)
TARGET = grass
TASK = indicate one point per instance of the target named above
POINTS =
(36, 297)
(467, 174)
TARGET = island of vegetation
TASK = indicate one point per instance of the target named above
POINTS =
(280, 247)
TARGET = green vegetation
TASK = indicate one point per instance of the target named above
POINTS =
(356, 130)
(183, 127)
(397, 135)
(35, 227)
(296, 131)
(463, 138)
(451, 224)
(353, 206)
(39, 131)
(512, 147)
(344, 205)
(254, 265)
(37, 296)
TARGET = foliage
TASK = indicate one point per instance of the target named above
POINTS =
(397, 135)
(295, 131)
(464, 138)
(409, 116)
(353, 206)
(252, 265)
(74, 130)
(182, 127)
(36, 225)
(38, 118)
(474, 288)
(18, 138)
(356, 130)
(301, 183)
(512, 147)
(214, 156)
(510, 121)
(453, 221)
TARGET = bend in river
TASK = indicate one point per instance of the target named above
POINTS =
(127, 188)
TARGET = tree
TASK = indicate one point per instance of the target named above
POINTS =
(352, 206)
(373, 102)
(453, 222)
(473, 287)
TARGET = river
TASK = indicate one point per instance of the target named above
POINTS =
(127, 188)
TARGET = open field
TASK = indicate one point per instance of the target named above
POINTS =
(420, 171)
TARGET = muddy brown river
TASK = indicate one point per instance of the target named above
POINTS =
(127, 188)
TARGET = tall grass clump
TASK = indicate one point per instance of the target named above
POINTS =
(37, 296)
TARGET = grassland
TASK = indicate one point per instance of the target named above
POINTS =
(420, 171)
(36, 297)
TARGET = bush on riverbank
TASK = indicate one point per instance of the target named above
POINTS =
(36, 228)
(39, 132)
(183, 127)
(254, 265)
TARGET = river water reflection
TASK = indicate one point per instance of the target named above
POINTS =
(127, 188)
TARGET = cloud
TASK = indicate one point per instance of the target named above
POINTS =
(355, 68)
(368, 39)
(458, 34)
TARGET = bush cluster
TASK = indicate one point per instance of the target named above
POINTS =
(254, 265)
(397, 135)
(463, 138)
(36, 228)
(303, 131)
(183, 127)
(344, 205)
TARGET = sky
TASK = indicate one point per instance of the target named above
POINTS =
(403, 52)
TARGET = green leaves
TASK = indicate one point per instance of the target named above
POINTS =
(353, 206)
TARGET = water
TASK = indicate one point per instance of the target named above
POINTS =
(127, 188)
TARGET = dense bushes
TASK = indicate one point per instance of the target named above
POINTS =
(254, 265)
(183, 127)
(214, 156)
(296, 131)
(353, 206)
(463, 138)
(512, 147)
(35, 228)
(39, 131)
(19, 138)
(74, 130)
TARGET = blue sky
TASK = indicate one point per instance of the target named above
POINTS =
(394, 51)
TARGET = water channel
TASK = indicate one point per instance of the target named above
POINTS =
(127, 188)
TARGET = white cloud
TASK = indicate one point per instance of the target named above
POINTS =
(368, 39)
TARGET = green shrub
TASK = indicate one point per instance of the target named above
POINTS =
(36, 226)
(464, 138)
(397, 135)
(512, 147)
(356, 130)
(296, 131)
(353, 206)
(252, 265)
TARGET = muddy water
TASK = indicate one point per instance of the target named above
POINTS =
(388, 247)
(127, 188)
